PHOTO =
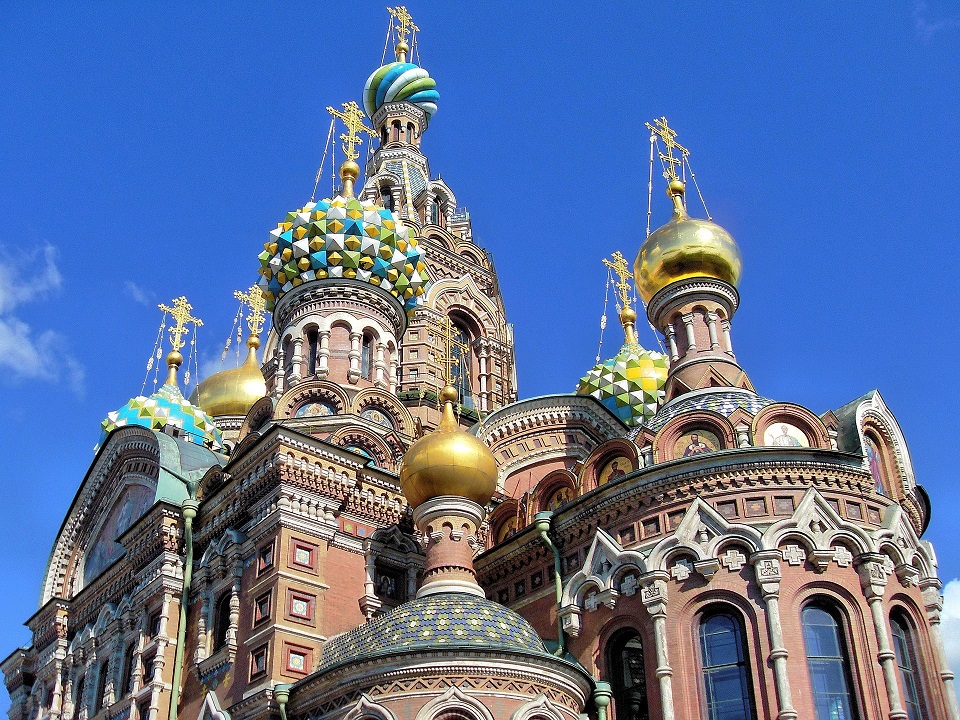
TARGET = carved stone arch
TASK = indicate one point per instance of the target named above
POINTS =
(455, 700)
(816, 520)
(690, 421)
(463, 292)
(551, 484)
(381, 453)
(366, 709)
(540, 708)
(257, 417)
(605, 566)
(312, 390)
(449, 200)
(386, 402)
(499, 518)
(107, 614)
(873, 414)
(471, 252)
(606, 452)
(211, 710)
(798, 416)
(704, 528)
(443, 239)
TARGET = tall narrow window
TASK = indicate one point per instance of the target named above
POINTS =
(366, 357)
(101, 686)
(628, 680)
(221, 621)
(78, 700)
(827, 662)
(313, 348)
(462, 364)
(903, 647)
(126, 683)
(433, 211)
(386, 198)
(726, 677)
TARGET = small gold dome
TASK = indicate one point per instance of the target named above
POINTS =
(234, 391)
(448, 461)
(683, 248)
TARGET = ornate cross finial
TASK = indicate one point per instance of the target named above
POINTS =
(404, 22)
(255, 303)
(352, 117)
(622, 269)
(444, 331)
(668, 135)
(181, 317)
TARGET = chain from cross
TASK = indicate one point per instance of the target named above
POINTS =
(255, 303)
(404, 21)
(181, 316)
(622, 269)
(352, 117)
(444, 330)
(668, 135)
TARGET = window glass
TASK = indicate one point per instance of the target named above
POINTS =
(902, 646)
(827, 661)
(629, 683)
(726, 679)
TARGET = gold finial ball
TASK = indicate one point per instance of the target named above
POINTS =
(686, 248)
(628, 315)
(174, 358)
(448, 461)
(402, 47)
(349, 170)
(676, 188)
(449, 394)
(253, 342)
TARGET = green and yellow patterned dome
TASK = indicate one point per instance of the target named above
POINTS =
(630, 384)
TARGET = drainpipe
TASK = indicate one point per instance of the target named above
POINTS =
(542, 521)
(281, 693)
(189, 508)
(601, 698)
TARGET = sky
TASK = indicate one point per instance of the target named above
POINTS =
(147, 149)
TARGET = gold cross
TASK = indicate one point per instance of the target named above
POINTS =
(255, 302)
(668, 135)
(622, 269)
(352, 116)
(444, 330)
(404, 21)
(181, 315)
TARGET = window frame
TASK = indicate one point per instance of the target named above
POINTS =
(846, 657)
(744, 664)
(916, 708)
(614, 648)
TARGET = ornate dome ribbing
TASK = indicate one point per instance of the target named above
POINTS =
(398, 81)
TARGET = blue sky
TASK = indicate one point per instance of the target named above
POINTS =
(148, 150)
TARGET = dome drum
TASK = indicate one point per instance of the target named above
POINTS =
(692, 290)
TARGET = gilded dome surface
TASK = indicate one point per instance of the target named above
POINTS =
(165, 407)
(398, 81)
(448, 461)
(233, 391)
(684, 248)
(343, 238)
(630, 384)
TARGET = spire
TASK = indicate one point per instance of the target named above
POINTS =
(181, 317)
(671, 162)
(403, 27)
(255, 303)
(352, 117)
(628, 317)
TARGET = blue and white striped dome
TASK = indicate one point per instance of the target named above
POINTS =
(398, 81)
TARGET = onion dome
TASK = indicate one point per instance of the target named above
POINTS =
(233, 391)
(398, 81)
(630, 384)
(448, 461)
(343, 238)
(166, 407)
(684, 248)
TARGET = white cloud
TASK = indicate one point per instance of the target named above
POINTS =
(950, 624)
(25, 353)
(138, 293)
(927, 27)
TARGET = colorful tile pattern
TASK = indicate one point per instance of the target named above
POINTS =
(630, 384)
(343, 238)
(398, 81)
(723, 402)
(438, 621)
(165, 407)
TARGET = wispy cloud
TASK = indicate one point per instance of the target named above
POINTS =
(26, 353)
(138, 293)
(928, 26)
(950, 624)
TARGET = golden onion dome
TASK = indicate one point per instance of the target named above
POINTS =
(234, 391)
(684, 248)
(448, 461)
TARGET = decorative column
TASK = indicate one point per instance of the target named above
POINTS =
(671, 334)
(725, 326)
(654, 597)
(691, 337)
(369, 603)
(873, 581)
(393, 373)
(323, 354)
(483, 357)
(353, 374)
(933, 604)
(712, 318)
(296, 362)
(66, 706)
(766, 566)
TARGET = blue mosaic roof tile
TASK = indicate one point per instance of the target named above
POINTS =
(436, 621)
(723, 402)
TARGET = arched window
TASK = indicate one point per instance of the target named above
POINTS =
(101, 686)
(433, 210)
(906, 660)
(627, 676)
(221, 621)
(78, 700)
(386, 197)
(366, 357)
(126, 683)
(726, 676)
(827, 662)
(878, 468)
(462, 364)
(313, 348)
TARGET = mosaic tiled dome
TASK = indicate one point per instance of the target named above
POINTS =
(630, 384)
(398, 81)
(436, 621)
(343, 238)
(165, 407)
